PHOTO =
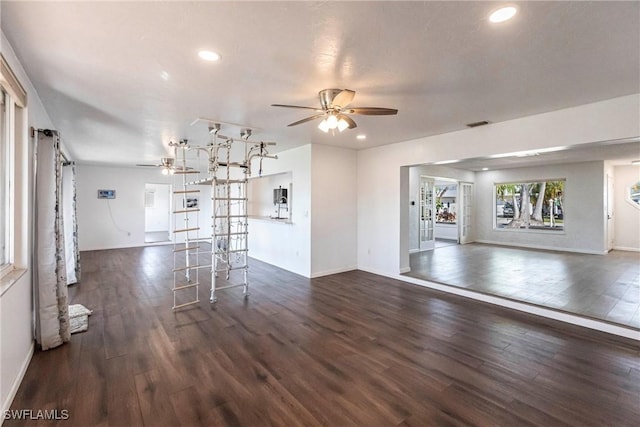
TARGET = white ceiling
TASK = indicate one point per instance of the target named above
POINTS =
(97, 66)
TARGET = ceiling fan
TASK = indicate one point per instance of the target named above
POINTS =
(167, 165)
(334, 111)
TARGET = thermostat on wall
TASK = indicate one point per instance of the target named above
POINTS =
(106, 194)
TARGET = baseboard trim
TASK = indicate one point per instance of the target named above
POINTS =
(16, 384)
(330, 272)
(519, 306)
(542, 247)
(625, 248)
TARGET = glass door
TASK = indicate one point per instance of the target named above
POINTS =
(427, 214)
(465, 195)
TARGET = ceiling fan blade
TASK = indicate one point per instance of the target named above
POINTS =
(372, 111)
(343, 99)
(352, 123)
(180, 168)
(149, 166)
(308, 119)
(296, 106)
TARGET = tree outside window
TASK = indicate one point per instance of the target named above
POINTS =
(530, 205)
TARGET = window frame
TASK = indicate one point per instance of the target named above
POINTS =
(627, 192)
(535, 229)
(15, 98)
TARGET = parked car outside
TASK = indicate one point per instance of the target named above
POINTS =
(507, 210)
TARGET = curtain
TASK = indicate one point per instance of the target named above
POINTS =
(51, 298)
(70, 222)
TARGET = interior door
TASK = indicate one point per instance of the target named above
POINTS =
(427, 213)
(465, 203)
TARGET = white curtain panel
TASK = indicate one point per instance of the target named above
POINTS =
(72, 254)
(51, 298)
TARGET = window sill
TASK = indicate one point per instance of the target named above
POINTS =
(10, 278)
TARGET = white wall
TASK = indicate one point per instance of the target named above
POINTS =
(626, 216)
(16, 311)
(584, 229)
(334, 210)
(122, 225)
(156, 217)
(287, 246)
(382, 216)
(322, 236)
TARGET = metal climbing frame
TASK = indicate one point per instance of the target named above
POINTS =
(229, 202)
(186, 223)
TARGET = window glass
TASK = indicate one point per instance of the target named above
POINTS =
(530, 205)
(634, 194)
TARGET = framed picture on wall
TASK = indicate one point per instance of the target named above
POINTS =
(191, 202)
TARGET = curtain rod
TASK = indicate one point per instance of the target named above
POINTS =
(49, 132)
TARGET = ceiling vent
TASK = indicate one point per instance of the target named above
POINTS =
(476, 124)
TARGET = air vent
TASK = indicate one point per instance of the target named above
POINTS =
(476, 124)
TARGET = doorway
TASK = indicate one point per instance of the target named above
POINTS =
(445, 212)
(157, 213)
(427, 214)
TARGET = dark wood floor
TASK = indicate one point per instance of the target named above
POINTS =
(603, 287)
(347, 349)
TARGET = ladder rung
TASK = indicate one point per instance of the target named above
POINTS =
(230, 181)
(228, 286)
(191, 267)
(186, 304)
(185, 191)
(179, 288)
(175, 270)
(242, 267)
(186, 229)
(185, 172)
(231, 251)
(229, 198)
(186, 249)
(186, 211)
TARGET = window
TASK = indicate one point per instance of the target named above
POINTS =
(12, 103)
(633, 194)
(5, 209)
(530, 205)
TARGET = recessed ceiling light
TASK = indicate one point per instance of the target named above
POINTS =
(485, 169)
(209, 55)
(502, 14)
(164, 75)
(361, 136)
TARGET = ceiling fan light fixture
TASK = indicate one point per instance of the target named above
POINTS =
(332, 121)
(165, 171)
(323, 126)
(342, 124)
